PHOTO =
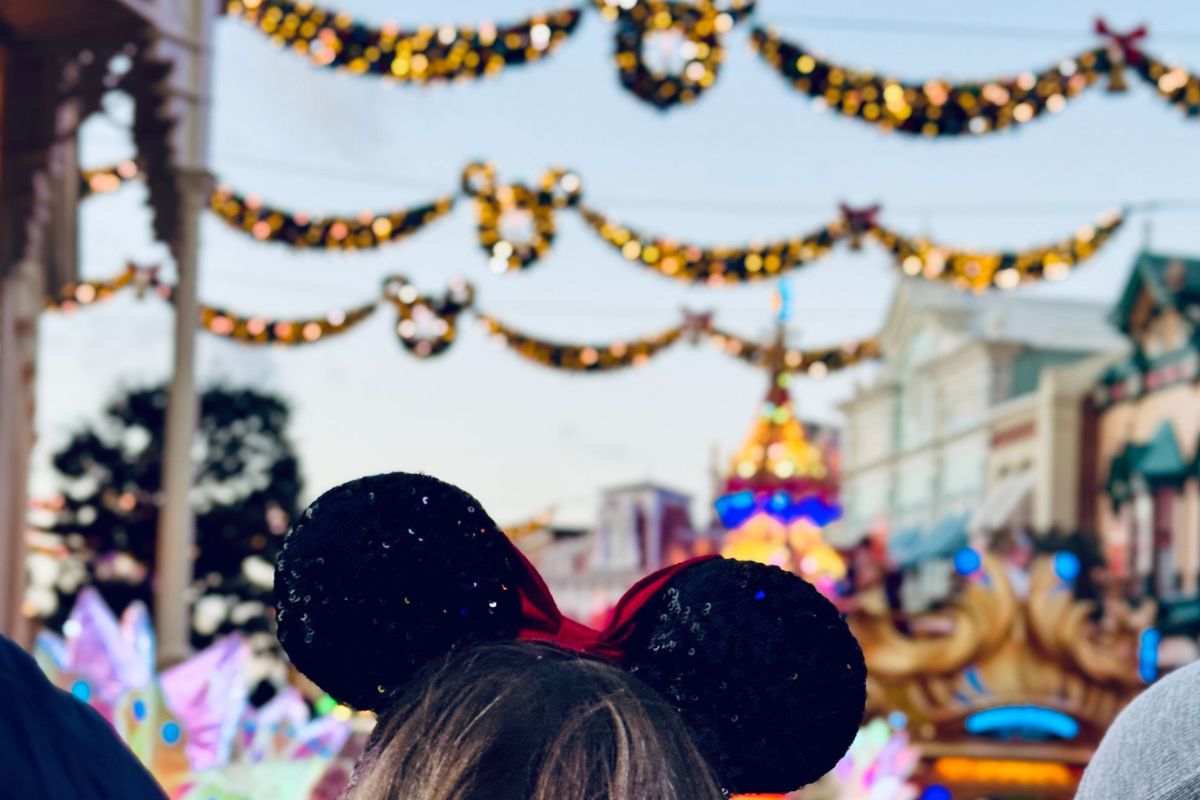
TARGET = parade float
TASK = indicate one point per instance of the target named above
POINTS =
(1009, 686)
(193, 725)
(781, 491)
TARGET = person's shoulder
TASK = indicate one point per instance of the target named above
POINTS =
(1181, 685)
(1152, 749)
(54, 746)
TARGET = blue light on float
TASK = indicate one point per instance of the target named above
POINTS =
(81, 691)
(139, 709)
(736, 508)
(897, 721)
(967, 561)
(1066, 566)
(171, 732)
(972, 676)
(936, 792)
(1025, 722)
(1148, 654)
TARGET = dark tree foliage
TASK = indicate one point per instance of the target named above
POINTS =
(246, 490)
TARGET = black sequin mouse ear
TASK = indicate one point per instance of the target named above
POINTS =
(382, 574)
(762, 668)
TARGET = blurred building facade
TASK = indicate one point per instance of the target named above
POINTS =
(639, 528)
(642, 527)
(973, 425)
(58, 58)
(1144, 472)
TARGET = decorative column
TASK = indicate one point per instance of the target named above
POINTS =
(172, 132)
(176, 519)
(20, 301)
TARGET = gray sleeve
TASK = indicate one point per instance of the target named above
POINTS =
(1152, 750)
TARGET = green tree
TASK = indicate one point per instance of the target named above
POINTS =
(246, 490)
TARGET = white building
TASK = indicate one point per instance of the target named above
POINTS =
(972, 425)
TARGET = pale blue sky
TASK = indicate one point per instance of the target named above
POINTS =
(749, 159)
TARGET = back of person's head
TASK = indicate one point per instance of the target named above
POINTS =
(399, 594)
(525, 721)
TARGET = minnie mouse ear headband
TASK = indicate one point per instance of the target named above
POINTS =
(383, 574)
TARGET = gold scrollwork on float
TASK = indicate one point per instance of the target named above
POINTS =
(990, 647)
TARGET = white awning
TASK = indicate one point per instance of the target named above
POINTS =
(1002, 502)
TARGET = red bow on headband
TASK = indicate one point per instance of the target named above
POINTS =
(543, 622)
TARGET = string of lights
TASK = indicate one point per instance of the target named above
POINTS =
(977, 271)
(257, 330)
(946, 108)
(582, 357)
(814, 363)
(366, 230)
(427, 54)
(932, 108)
(77, 294)
(516, 227)
(426, 326)
(714, 265)
(668, 53)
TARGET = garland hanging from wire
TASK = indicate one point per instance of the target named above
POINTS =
(215, 320)
(428, 54)
(945, 108)
(108, 179)
(76, 294)
(516, 227)
(917, 256)
(692, 263)
(668, 52)
(814, 363)
(977, 270)
(258, 330)
(582, 357)
(365, 230)
(427, 327)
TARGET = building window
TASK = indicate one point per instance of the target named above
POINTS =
(1165, 569)
(1142, 551)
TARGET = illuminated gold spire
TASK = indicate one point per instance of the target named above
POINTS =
(777, 453)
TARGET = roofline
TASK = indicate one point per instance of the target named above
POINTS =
(646, 484)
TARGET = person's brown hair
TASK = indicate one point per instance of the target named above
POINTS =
(531, 722)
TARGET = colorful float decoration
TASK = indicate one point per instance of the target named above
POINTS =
(781, 492)
(878, 766)
(1007, 693)
(193, 725)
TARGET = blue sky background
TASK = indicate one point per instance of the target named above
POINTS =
(750, 159)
